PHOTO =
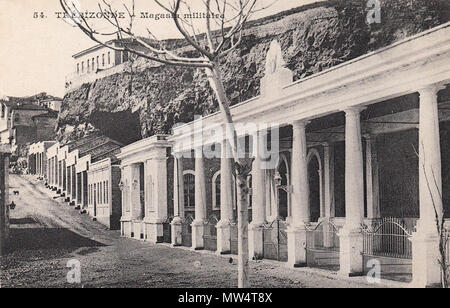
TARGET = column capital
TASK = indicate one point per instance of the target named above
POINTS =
(198, 152)
(354, 111)
(432, 89)
(300, 123)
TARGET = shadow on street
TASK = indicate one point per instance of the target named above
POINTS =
(53, 238)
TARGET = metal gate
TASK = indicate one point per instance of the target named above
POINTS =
(275, 240)
(388, 237)
(322, 245)
(210, 233)
(186, 231)
(167, 230)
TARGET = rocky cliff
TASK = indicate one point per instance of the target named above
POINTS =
(143, 101)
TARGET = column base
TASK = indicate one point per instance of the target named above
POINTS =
(255, 242)
(223, 238)
(296, 247)
(137, 229)
(176, 231)
(154, 231)
(125, 227)
(426, 269)
(350, 257)
(198, 230)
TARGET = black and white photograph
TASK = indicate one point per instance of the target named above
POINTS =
(224, 150)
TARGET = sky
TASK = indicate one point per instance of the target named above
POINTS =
(36, 53)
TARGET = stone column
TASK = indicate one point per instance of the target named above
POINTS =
(256, 228)
(178, 200)
(135, 198)
(226, 200)
(41, 164)
(37, 164)
(68, 188)
(372, 181)
(156, 197)
(351, 263)
(48, 172)
(328, 159)
(425, 242)
(300, 197)
(75, 184)
(126, 218)
(81, 204)
(198, 225)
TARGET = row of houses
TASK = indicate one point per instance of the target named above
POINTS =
(86, 173)
(358, 168)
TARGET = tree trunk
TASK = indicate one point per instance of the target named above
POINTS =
(242, 170)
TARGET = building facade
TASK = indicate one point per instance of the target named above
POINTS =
(94, 63)
(104, 195)
(4, 198)
(37, 158)
(71, 170)
(361, 166)
(24, 121)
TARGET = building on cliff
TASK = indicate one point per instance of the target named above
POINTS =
(346, 186)
(94, 63)
(27, 120)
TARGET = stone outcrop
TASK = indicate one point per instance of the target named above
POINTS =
(145, 100)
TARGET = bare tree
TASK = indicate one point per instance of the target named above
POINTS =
(223, 26)
(439, 216)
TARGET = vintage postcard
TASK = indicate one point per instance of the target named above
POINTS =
(224, 144)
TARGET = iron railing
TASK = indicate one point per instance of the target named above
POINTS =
(275, 240)
(323, 236)
(210, 233)
(388, 237)
(186, 231)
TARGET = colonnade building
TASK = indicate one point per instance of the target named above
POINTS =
(362, 165)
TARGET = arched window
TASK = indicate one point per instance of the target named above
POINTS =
(109, 58)
(103, 60)
(216, 191)
(315, 184)
(105, 200)
(250, 196)
(283, 196)
(107, 192)
(100, 195)
(189, 189)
